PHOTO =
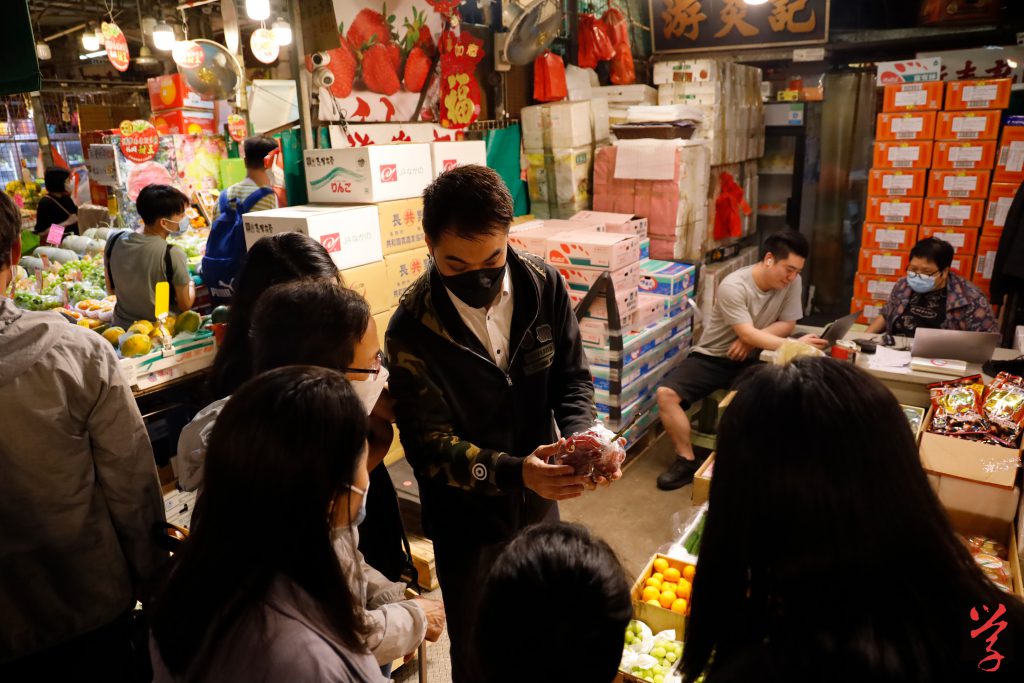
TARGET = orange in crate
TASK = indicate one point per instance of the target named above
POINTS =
(894, 210)
(913, 96)
(961, 213)
(911, 154)
(978, 94)
(1000, 198)
(884, 236)
(869, 309)
(873, 287)
(918, 125)
(964, 240)
(958, 184)
(976, 156)
(1010, 163)
(967, 125)
(884, 182)
(882, 262)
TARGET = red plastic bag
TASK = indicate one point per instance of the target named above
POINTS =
(549, 78)
(730, 202)
(595, 44)
(618, 27)
(622, 69)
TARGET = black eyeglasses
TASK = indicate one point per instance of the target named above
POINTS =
(378, 361)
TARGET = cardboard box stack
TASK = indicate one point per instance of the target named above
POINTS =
(177, 109)
(559, 140)
(933, 158)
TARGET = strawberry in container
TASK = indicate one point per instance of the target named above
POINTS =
(597, 453)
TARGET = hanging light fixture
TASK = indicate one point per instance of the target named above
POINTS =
(755, 2)
(282, 31)
(43, 51)
(258, 10)
(89, 40)
(163, 36)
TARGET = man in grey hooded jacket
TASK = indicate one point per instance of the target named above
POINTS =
(79, 492)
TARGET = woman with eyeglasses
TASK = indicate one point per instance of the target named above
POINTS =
(344, 339)
(933, 296)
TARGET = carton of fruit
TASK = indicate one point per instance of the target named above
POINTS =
(649, 656)
(661, 594)
(377, 173)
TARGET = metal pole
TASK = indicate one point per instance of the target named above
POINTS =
(42, 133)
(298, 61)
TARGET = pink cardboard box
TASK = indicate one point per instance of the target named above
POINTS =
(626, 223)
(588, 249)
(583, 279)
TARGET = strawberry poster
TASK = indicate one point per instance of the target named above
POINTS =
(385, 57)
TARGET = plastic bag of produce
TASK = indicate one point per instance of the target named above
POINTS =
(594, 453)
(689, 530)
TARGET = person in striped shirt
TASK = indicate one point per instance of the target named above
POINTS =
(258, 152)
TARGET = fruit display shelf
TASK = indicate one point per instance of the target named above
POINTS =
(188, 354)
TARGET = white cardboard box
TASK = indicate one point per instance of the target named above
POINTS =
(626, 300)
(449, 155)
(534, 240)
(589, 249)
(615, 222)
(351, 234)
(377, 173)
(556, 126)
(582, 279)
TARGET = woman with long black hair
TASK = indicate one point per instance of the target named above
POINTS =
(826, 556)
(257, 592)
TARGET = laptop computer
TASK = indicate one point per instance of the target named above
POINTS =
(836, 330)
(973, 347)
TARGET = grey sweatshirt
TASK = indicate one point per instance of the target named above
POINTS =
(78, 485)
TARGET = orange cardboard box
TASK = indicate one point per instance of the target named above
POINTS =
(885, 182)
(918, 125)
(978, 94)
(984, 285)
(184, 122)
(869, 309)
(976, 156)
(963, 265)
(882, 262)
(1010, 164)
(986, 261)
(999, 199)
(882, 236)
(906, 211)
(912, 154)
(958, 184)
(963, 213)
(968, 125)
(172, 92)
(964, 240)
(874, 287)
(913, 96)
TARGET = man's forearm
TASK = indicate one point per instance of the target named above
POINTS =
(781, 328)
(760, 339)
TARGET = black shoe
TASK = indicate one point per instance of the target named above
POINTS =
(1014, 367)
(678, 475)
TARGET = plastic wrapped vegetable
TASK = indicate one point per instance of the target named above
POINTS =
(595, 452)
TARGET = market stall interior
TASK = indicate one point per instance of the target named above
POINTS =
(691, 188)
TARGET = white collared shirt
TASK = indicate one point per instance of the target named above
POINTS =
(492, 325)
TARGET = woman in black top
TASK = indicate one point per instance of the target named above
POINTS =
(57, 206)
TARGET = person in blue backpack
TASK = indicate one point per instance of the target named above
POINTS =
(225, 249)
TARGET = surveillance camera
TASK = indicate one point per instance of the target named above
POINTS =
(320, 59)
(322, 77)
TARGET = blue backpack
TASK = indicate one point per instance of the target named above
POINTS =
(225, 249)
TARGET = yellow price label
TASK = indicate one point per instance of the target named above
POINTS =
(163, 299)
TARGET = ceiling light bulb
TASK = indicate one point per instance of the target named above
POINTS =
(282, 32)
(258, 10)
(163, 37)
(89, 41)
(755, 2)
(43, 51)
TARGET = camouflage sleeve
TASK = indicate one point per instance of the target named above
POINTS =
(428, 438)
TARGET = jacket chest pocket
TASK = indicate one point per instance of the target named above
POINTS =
(538, 359)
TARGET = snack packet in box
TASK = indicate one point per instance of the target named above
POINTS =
(958, 407)
(1004, 408)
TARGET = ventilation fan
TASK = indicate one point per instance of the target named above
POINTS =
(217, 76)
(531, 26)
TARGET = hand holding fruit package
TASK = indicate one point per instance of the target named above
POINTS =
(594, 453)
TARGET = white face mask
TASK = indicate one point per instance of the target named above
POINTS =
(369, 390)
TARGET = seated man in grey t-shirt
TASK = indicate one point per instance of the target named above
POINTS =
(755, 308)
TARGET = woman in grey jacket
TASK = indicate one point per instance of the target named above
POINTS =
(264, 597)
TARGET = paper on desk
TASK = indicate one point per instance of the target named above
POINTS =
(890, 360)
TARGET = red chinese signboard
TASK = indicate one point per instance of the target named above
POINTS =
(460, 92)
(139, 140)
(686, 25)
(117, 45)
(236, 128)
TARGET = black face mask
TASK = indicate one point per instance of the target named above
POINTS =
(476, 288)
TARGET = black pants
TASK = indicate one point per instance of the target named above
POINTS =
(462, 568)
(111, 653)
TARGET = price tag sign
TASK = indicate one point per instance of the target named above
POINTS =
(264, 45)
(163, 300)
(56, 235)
(188, 54)
(139, 140)
(116, 44)
(237, 128)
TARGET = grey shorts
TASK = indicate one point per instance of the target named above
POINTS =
(699, 375)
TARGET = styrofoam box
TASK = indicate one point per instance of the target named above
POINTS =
(633, 94)
(599, 119)
(351, 234)
(449, 155)
(377, 173)
(556, 126)
(690, 70)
